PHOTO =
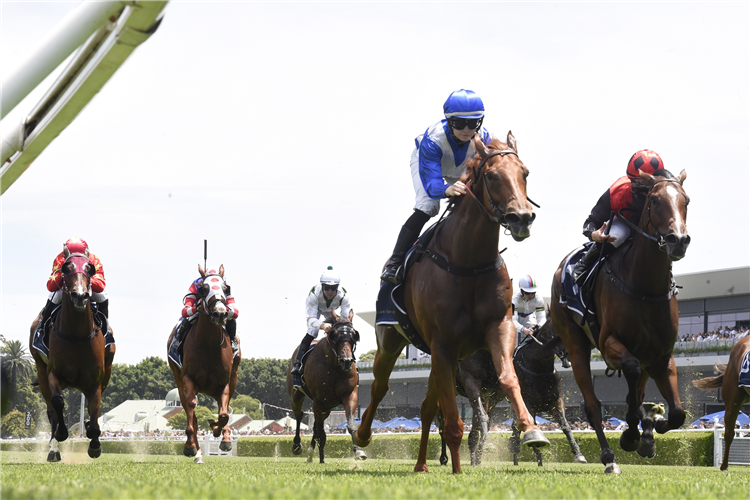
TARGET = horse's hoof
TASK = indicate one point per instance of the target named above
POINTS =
(535, 439)
(627, 445)
(95, 452)
(420, 468)
(189, 451)
(515, 459)
(647, 449)
(198, 460)
(297, 449)
(580, 459)
(443, 460)
(308, 460)
(612, 468)
(225, 446)
(360, 455)
(54, 456)
(61, 435)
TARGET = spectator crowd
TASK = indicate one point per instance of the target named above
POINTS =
(719, 333)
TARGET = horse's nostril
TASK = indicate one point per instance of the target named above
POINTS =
(512, 219)
(671, 239)
(686, 240)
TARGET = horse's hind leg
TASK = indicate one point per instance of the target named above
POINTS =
(390, 345)
(558, 414)
(429, 408)
(514, 444)
(666, 381)
(441, 428)
(92, 426)
(442, 389)
(480, 420)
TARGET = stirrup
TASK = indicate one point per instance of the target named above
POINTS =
(390, 274)
(297, 368)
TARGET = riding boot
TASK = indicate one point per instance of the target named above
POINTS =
(232, 332)
(297, 368)
(40, 335)
(565, 360)
(103, 308)
(583, 265)
(406, 239)
(174, 347)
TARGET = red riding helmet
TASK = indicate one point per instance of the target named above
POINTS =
(645, 160)
(76, 245)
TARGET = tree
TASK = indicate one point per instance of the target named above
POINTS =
(18, 362)
(14, 425)
(247, 405)
(202, 413)
(265, 380)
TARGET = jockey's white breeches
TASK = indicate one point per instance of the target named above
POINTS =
(56, 296)
(619, 230)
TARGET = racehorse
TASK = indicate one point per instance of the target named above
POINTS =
(733, 394)
(208, 364)
(77, 356)
(331, 378)
(464, 303)
(637, 312)
(534, 361)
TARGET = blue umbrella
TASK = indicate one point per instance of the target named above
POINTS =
(419, 421)
(400, 422)
(616, 421)
(375, 424)
(741, 418)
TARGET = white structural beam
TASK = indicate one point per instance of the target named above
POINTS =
(104, 50)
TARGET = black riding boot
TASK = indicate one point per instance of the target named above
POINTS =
(297, 368)
(39, 332)
(174, 347)
(406, 239)
(582, 266)
(103, 308)
(232, 332)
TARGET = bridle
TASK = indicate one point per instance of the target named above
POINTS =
(345, 332)
(79, 261)
(210, 302)
(659, 238)
(497, 215)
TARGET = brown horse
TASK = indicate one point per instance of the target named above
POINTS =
(331, 378)
(534, 361)
(733, 394)
(77, 356)
(208, 366)
(637, 310)
(468, 305)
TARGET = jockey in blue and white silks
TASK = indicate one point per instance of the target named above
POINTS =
(437, 163)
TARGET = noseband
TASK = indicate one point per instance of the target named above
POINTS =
(499, 214)
(345, 332)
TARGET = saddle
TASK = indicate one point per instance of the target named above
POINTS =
(41, 336)
(303, 361)
(580, 299)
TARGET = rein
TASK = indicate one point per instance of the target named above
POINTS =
(499, 215)
(659, 239)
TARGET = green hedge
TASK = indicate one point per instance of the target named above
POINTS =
(114, 447)
(673, 448)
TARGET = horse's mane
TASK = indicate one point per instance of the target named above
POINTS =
(641, 188)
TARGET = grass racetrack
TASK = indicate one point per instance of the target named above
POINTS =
(27, 475)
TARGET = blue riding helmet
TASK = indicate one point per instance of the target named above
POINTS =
(463, 104)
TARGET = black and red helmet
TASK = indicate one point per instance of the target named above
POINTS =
(645, 160)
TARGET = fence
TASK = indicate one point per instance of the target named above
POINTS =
(739, 453)
(211, 446)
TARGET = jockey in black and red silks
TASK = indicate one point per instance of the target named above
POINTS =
(618, 197)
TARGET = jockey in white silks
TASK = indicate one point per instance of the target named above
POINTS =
(528, 307)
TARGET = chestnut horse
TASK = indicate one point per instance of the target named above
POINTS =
(467, 308)
(208, 366)
(733, 394)
(77, 356)
(331, 377)
(637, 310)
(534, 361)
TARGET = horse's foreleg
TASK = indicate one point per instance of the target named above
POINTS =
(189, 402)
(479, 421)
(60, 432)
(501, 341)
(390, 345)
(443, 375)
(514, 444)
(350, 407)
(221, 427)
(558, 415)
(666, 381)
(92, 426)
(427, 413)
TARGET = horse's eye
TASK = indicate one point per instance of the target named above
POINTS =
(68, 268)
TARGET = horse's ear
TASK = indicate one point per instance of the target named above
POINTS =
(351, 316)
(201, 271)
(221, 270)
(683, 176)
(511, 140)
(646, 177)
(335, 317)
(480, 147)
(66, 252)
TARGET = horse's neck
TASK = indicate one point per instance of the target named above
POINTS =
(538, 354)
(207, 332)
(644, 267)
(75, 322)
(469, 237)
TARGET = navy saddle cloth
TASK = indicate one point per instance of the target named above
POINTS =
(573, 295)
(744, 380)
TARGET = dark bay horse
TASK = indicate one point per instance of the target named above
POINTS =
(733, 394)
(330, 375)
(467, 308)
(637, 312)
(77, 356)
(534, 361)
(208, 366)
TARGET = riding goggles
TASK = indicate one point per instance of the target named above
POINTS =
(462, 123)
(330, 288)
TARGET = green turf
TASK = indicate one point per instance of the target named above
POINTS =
(27, 475)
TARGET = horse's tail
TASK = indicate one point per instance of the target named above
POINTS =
(711, 382)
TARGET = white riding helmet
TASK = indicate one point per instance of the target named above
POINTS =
(330, 277)
(527, 284)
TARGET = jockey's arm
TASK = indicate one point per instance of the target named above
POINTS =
(53, 283)
(516, 323)
(540, 313)
(98, 281)
(431, 169)
(311, 311)
(599, 215)
(346, 306)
